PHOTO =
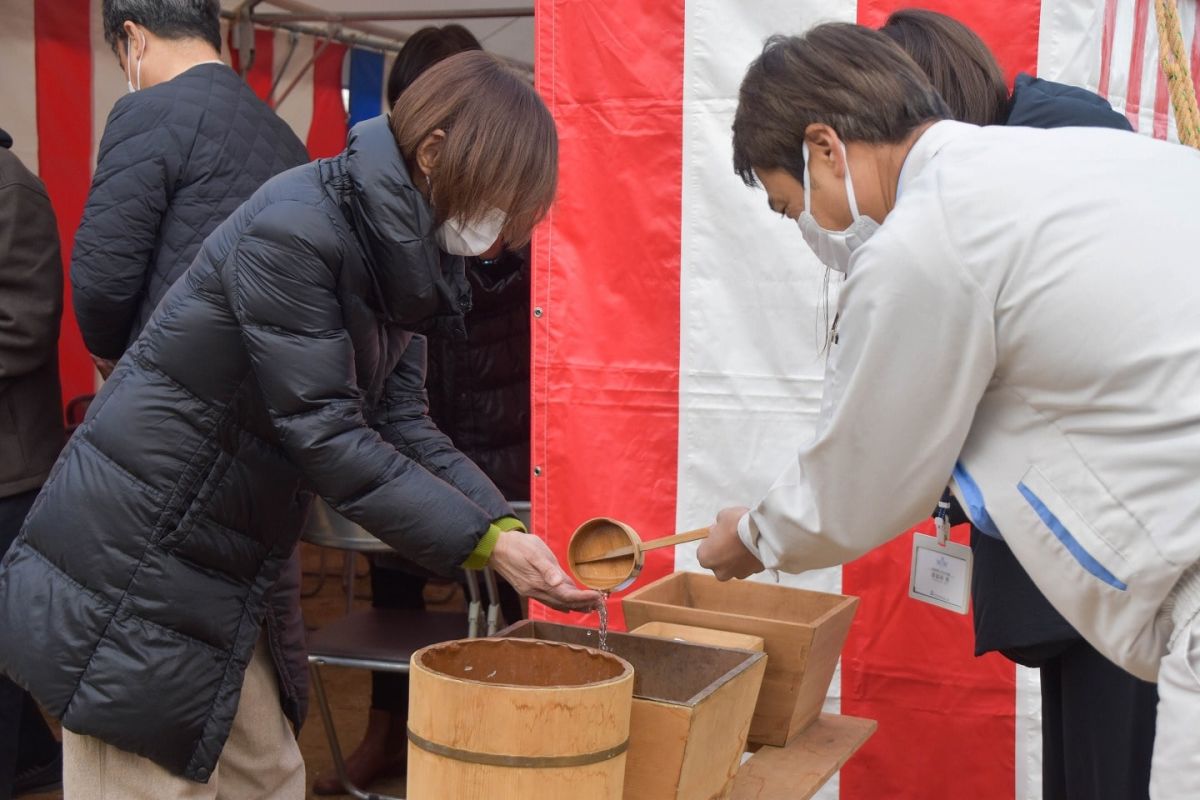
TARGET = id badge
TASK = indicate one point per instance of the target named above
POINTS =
(941, 573)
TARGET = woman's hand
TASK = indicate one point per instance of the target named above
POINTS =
(723, 551)
(526, 562)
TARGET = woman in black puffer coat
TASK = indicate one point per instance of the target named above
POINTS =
(287, 361)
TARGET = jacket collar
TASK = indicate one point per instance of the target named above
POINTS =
(419, 286)
(937, 136)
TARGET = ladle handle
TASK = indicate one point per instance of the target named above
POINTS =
(679, 538)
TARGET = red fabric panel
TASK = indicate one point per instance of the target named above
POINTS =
(260, 75)
(327, 133)
(1162, 104)
(947, 722)
(1133, 96)
(606, 272)
(63, 62)
(1106, 45)
(1010, 28)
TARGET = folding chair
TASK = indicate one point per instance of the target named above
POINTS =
(384, 640)
(328, 529)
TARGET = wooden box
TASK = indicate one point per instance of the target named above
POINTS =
(690, 633)
(803, 631)
(692, 706)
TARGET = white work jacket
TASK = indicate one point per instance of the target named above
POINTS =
(1025, 325)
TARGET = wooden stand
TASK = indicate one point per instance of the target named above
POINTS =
(809, 760)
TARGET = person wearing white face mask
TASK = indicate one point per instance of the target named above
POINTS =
(287, 362)
(1018, 323)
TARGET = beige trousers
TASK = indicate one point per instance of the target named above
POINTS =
(261, 760)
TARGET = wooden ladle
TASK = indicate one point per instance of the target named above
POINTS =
(607, 555)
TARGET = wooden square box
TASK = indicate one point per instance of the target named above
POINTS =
(803, 633)
(692, 706)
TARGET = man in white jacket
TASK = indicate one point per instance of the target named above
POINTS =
(1020, 320)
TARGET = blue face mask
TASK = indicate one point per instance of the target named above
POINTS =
(834, 248)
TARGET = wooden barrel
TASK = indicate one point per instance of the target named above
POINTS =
(517, 719)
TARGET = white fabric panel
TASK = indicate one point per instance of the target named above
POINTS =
(18, 81)
(751, 337)
(1069, 50)
(297, 109)
(108, 81)
(1029, 734)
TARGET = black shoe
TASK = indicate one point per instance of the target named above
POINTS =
(46, 777)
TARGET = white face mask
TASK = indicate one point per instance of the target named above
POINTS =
(833, 248)
(460, 238)
(129, 58)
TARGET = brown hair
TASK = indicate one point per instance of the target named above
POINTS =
(958, 63)
(501, 148)
(854, 79)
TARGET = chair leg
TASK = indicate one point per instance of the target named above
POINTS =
(348, 579)
(320, 575)
(335, 748)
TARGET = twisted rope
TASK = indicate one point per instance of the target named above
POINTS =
(1174, 58)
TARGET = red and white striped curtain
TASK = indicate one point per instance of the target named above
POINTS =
(677, 351)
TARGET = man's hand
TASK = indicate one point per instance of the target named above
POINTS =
(723, 551)
(104, 366)
(526, 562)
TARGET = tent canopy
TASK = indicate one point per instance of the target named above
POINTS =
(504, 27)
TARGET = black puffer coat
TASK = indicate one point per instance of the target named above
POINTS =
(283, 361)
(479, 387)
(176, 159)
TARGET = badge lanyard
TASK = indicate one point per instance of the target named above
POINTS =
(941, 569)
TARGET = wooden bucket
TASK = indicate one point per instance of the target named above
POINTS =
(692, 706)
(514, 719)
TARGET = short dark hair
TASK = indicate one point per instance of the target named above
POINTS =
(501, 147)
(422, 50)
(958, 63)
(851, 78)
(170, 19)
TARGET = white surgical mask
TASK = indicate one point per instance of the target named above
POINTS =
(833, 248)
(460, 238)
(129, 58)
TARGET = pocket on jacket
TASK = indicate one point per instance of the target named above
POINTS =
(207, 486)
(1095, 552)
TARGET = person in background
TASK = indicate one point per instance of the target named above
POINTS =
(187, 146)
(31, 428)
(287, 362)
(479, 397)
(1018, 321)
(1097, 719)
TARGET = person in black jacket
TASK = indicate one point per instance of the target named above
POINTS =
(287, 361)
(479, 397)
(1097, 720)
(31, 426)
(188, 145)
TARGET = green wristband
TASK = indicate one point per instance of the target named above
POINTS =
(483, 550)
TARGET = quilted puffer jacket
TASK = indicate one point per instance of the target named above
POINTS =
(479, 387)
(283, 363)
(175, 160)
